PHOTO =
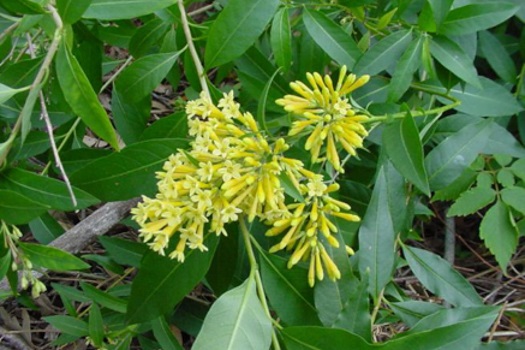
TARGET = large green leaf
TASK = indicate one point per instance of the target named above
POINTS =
(333, 39)
(236, 321)
(139, 79)
(376, 238)
(51, 258)
(440, 278)
(48, 192)
(446, 161)
(513, 196)
(124, 9)
(404, 149)
(164, 335)
(129, 173)
(236, 29)
(319, 338)
(147, 36)
(472, 200)
(17, 209)
(45, 228)
(22, 6)
(281, 39)
(412, 311)
(406, 67)
(80, 95)
(124, 251)
(288, 291)
(499, 233)
(172, 126)
(96, 325)
(130, 115)
(452, 57)
(478, 16)
(384, 53)
(103, 298)
(355, 314)
(162, 282)
(71, 10)
(497, 56)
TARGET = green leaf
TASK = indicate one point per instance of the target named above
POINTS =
(236, 321)
(45, 228)
(518, 168)
(68, 325)
(491, 100)
(124, 9)
(499, 233)
(96, 325)
(22, 6)
(162, 282)
(163, 334)
(72, 10)
(333, 39)
(147, 36)
(139, 79)
(453, 58)
(471, 201)
(413, 311)
(103, 298)
(440, 9)
(355, 314)
(48, 192)
(225, 262)
(5, 264)
(406, 67)
(376, 238)
(52, 258)
(448, 160)
(17, 209)
(173, 126)
(288, 291)
(384, 53)
(261, 109)
(289, 187)
(129, 173)
(130, 116)
(513, 196)
(80, 95)
(501, 141)
(6, 92)
(281, 39)
(319, 338)
(497, 56)
(404, 149)
(236, 28)
(475, 17)
(124, 251)
(440, 278)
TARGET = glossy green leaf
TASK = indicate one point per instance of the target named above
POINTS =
(406, 67)
(471, 201)
(68, 325)
(103, 298)
(440, 278)
(124, 251)
(52, 258)
(17, 209)
(124, 9)
(319, 338)
(129, 173)
(48, 192)
(384, 53)
(288, 291)
(514, 197)
(147, 36)
(22, 6)
(477, 16)
(448, 160)
(453, 58)
(376, 238)
(497, 56)
(172, 126)
(164, 335)
(162, 282)
(281, 39)
(96, 325)
(404, 149)
(499, 233)
(333, 39)
(236, 28)
(45, 228)
(412, 311)
(236, 321)
(80, 95)
(139, 79)
(130, 115)
(72, 10)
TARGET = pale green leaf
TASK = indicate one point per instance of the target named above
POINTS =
(124, 9)
(51, 258)
(406, 67)
(281, 39)
(471, 201)
(515, 197)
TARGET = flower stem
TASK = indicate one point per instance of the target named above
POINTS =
(254, 269)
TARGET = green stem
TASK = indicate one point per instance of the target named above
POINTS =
(254, 269)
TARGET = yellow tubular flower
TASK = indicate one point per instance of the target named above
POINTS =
(326, 112)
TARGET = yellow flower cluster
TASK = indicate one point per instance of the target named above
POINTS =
(327, 114)
(231, 170)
